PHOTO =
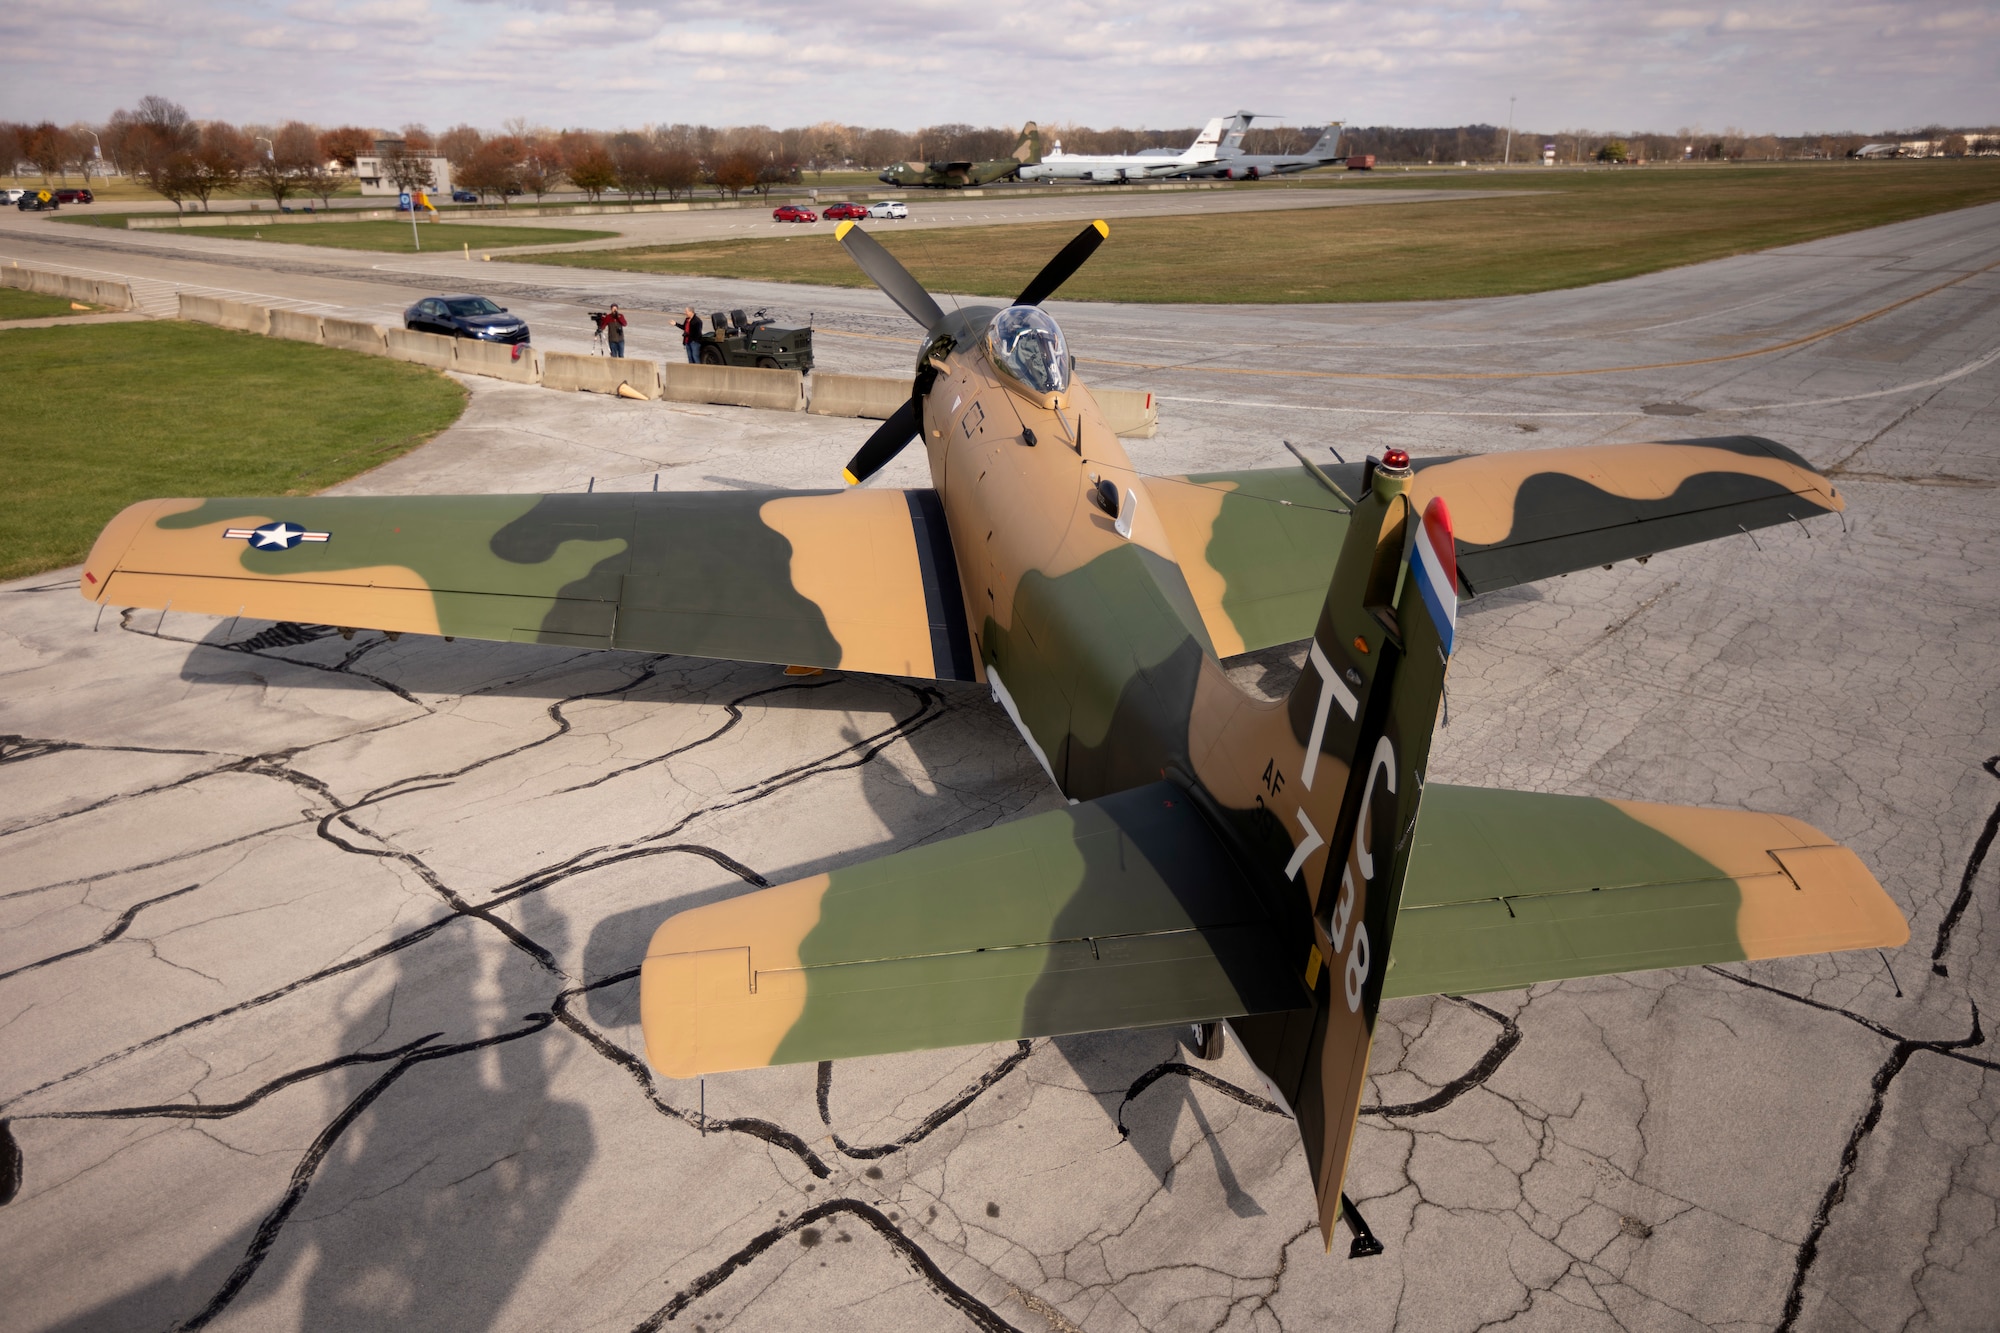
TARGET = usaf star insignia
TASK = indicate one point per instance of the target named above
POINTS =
(278, 536)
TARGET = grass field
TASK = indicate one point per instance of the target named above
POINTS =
(190, 411)
(17, 304)
(1580, 227)
(395, 236)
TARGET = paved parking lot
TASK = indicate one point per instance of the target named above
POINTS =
(316, 994)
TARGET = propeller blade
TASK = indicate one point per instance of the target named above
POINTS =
(1067, 261)
(887, 441)
(894, 280)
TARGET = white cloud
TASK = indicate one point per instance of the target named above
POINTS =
(1782, 65)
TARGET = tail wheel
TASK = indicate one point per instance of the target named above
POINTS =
(1207, 1044)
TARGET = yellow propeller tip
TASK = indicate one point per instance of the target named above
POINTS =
(1102, 228)
(840, 232)
(852, 480)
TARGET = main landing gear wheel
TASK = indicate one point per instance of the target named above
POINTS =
(1207, 1043)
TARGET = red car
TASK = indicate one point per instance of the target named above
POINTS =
(75, 197)
(854, 212)
(793, 213)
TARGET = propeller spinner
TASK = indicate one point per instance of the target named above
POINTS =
(882, 268)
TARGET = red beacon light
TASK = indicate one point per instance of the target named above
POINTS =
(1395, 458)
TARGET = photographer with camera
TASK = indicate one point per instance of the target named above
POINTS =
(612, 325)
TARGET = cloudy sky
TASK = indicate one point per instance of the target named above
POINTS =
(1782, 67)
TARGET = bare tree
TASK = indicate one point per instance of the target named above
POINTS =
(541, 166)
(459, 143)
(408, 170)
(679, 171)
(491, 169)
(345, 144)
(591, 170)
(736, 173)
(219, 161)
(42, 145)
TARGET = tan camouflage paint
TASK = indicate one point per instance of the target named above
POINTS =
(1482, 488)
(855, 556)
(722, 984)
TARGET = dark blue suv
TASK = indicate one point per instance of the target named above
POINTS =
(466, 317)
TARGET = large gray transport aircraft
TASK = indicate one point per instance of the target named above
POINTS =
(1232, 163)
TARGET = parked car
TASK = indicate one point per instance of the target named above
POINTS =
(75, 197)
(793, 213)
(892, 209)
(464, 197)
(843, 212)
(466, 316)
(37, 202)
(11, 196)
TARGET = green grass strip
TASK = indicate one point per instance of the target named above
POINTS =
(17, 304)
(1578, 228)
(99, 416)
(438, 237)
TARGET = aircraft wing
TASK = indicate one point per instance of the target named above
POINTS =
(1120, 912)
(1509, 888)
(860, 580)
(1258, 546)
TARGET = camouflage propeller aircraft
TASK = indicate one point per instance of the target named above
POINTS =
(1277, 868)
(959, 175)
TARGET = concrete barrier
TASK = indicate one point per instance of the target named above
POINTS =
(94, 291)
(739, 386)
(352, 335)
(1131, 413)
(238, 315)
(426, 349)
(600, 374)
(868, 396)
(296, 325)
(501, 361)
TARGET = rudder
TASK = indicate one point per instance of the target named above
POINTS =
(1369, 698)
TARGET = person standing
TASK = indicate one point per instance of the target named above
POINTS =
(691, 335)
(614, 330)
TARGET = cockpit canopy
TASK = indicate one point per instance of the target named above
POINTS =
(1027, 345)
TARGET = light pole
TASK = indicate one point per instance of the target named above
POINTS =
(1510, 134)
(270, 149)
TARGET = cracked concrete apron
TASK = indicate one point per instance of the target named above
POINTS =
(317, 997)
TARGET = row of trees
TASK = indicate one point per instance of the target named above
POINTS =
(1489, 143)
(159, 144)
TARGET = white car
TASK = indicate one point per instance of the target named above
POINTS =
(892, 209)
(11, 196)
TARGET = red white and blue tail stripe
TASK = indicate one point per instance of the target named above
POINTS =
(1434, 566)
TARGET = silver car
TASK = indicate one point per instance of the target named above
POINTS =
(892, 209)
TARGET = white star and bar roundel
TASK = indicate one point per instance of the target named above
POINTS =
(280, 536)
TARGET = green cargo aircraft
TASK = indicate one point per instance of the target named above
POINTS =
(1275, 868)
(958, 175)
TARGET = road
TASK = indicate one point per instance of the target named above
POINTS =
(316, 996)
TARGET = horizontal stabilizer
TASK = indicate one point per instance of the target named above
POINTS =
(1257, 546)
(1507, 888)
(1122, 912)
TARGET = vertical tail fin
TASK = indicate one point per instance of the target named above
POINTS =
(1028, 149)
(1328, 143)
(1366, 704)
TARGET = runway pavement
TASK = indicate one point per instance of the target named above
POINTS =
(316, 995)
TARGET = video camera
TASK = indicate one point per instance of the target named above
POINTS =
(597, 318)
